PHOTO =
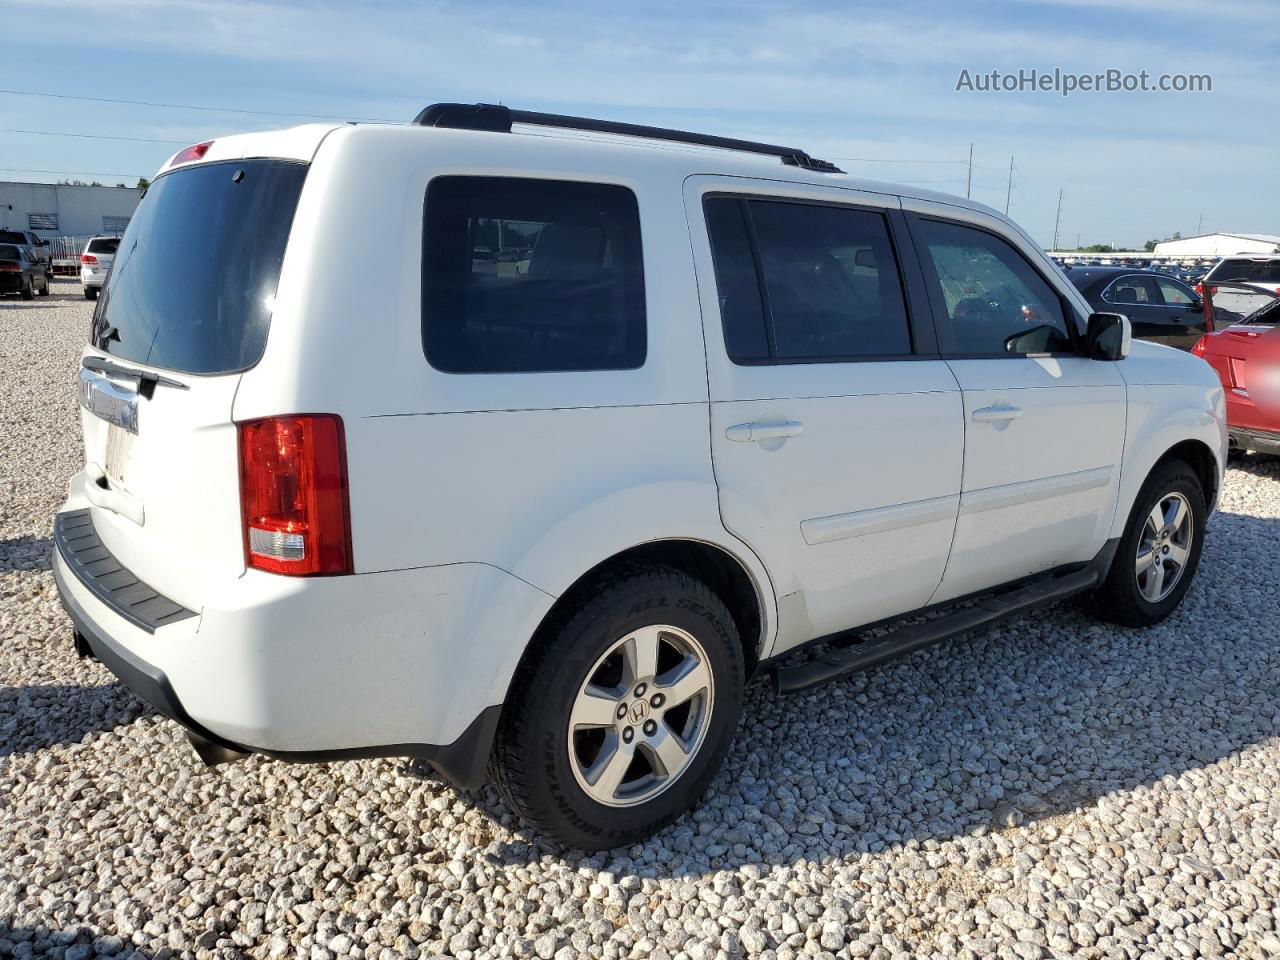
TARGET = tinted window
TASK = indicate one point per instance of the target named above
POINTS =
(192, 286)
(104, 245)
(10, 253)
(1246, 271)
(522, 276)
(996, 301)
(830, 291)
(12, 236)
(1142, 290)
(1175, 293)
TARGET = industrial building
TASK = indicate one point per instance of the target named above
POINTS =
(66, 210)
(1219, 245)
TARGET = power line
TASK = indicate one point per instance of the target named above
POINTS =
(91, 136)
(67, 173)
(190, 106)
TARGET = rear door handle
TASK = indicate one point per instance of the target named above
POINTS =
(764, 430)
(997, 414)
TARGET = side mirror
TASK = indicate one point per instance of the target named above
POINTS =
(1109, 336)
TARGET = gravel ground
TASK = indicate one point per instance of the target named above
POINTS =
(1051, 787)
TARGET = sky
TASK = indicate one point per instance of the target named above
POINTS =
(872, 85)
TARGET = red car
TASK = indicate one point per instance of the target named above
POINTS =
(1246, 355)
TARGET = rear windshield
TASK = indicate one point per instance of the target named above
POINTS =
(9, 253)
(103, 245)
(12, 236)
(193, 283)
(1246, 271)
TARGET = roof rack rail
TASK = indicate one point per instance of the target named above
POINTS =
(498, 119)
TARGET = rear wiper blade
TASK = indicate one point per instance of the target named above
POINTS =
(147, 381)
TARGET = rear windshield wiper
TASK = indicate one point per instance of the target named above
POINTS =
(147, 381)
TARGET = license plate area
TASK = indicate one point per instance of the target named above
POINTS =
(116, 459)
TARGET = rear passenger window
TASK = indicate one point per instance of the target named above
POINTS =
(525, 276)
(805, 282)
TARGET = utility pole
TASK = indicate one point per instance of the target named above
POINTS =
(969, 183)
(1199, 224)
(1057, 220)
(1009, 189)
(1077, 241)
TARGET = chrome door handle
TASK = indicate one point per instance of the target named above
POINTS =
(764, 430)
(997, 414)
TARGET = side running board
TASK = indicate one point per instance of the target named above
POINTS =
(832, 664)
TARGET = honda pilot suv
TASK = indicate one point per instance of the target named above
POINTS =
(638, 415)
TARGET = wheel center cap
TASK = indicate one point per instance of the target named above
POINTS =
(639, 711)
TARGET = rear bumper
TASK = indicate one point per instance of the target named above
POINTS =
(317, 669)
(12, 282)
(92, 278)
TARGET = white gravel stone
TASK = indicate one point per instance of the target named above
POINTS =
(1049, 787)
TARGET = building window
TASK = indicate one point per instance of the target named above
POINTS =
(114, 224)
(42, 221)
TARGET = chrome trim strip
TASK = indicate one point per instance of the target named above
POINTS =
(842, 526)
(1029, 491)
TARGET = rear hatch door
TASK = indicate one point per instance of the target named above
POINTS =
(185, 311)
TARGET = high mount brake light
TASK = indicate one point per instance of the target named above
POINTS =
(194, 152)
(293, 495)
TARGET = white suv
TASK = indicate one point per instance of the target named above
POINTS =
(1256, 270)
(95, 264)
(637, 415)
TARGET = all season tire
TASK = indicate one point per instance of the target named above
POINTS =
(91, 293)
(621, 715)
(1159, 551)
(28, 290)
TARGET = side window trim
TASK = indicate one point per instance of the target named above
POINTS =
(942, 319)
(1106, 294)
(920, 329)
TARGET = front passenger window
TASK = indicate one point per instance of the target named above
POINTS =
(996, 301)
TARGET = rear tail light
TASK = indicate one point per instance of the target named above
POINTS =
(293, 495)
(1199, 289)
(8, 266)
(1199, 347)
(194, 152)
(88, 258)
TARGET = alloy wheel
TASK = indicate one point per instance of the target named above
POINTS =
(640, 715)
(1164, 547)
